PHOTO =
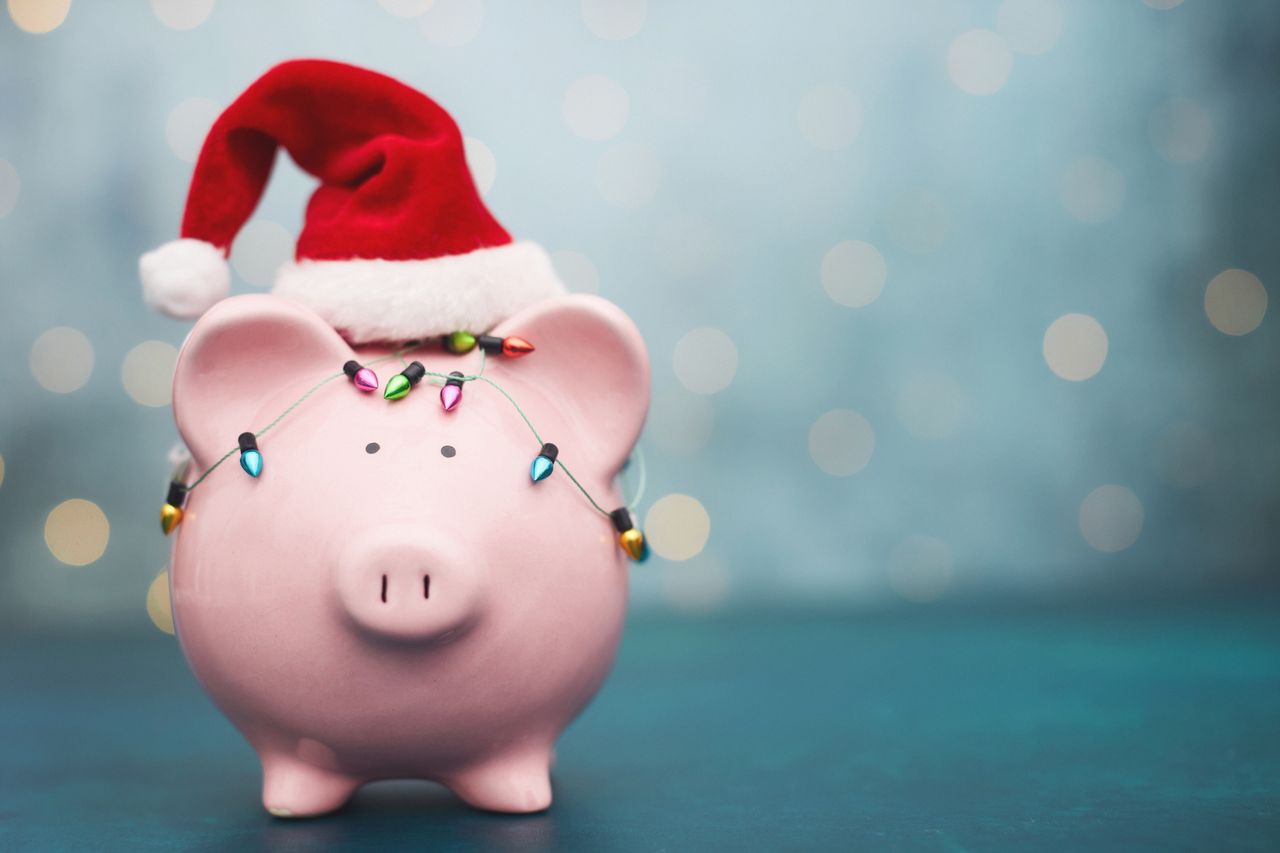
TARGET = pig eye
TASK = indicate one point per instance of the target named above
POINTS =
(447, 451)
(372, 447)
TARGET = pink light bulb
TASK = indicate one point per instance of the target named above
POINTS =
(451, 392)
(361, 377)
(450, 396)
(366, 380)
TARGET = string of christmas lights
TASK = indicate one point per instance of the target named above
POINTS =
(630, 538)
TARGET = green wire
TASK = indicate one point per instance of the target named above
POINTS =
(638, 457)
(519, 410)
(296, 403)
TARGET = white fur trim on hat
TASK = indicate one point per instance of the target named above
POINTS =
(376, 300)
(184, 278)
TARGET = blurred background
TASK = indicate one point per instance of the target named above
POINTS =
(946, 300)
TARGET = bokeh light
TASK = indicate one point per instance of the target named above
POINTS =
(628, 175)
(853, 273)
(841, 442)
(39, 16)
(10, 186)
(1093, 190)
(481, 162)
(187, 126)
(259, 250)
(1235, 302)
(62, 359)
(1075, 347)
(830, 117)
(76, 532)
(1111, 518)
(595, 107)
(614, 20)
(147, 373)
(677, 527)
(979, 62)
(159, 607)
(182, 14)
(453, 23)
(576, 270)
(1029, 27)
(920, 568)
(1180, 131)
(705, 360)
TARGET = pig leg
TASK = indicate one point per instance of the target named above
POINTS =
(515, 782)
(293, 788)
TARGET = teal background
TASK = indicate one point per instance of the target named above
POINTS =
(1110, 728)
(743, 210)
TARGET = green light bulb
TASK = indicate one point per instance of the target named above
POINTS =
(402, 382)
(397, 387)
(460, 342)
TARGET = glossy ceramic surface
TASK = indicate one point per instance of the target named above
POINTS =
(375, 605)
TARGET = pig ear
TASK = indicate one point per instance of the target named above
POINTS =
(243, 352)
(588, 376)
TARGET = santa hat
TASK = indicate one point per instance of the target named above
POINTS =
(397, 243)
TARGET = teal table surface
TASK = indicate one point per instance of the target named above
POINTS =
(1151, 727)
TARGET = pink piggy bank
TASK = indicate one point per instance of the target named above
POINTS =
(394, 597)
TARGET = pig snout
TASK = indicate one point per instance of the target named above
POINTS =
(399, 583)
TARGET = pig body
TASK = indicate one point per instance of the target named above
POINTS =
(394, 597)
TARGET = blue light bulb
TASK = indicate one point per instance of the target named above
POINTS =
(251, 462)
(544, 463)
(250, 456)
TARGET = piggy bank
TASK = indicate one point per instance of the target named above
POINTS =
(394, 596)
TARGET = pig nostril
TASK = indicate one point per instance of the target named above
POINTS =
(426, 586)
(384, 589)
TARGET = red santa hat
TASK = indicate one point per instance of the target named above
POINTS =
(397, 243)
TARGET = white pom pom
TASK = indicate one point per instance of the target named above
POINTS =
(184, 278)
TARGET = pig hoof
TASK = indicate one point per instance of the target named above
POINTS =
(510, 787)
(291, 789)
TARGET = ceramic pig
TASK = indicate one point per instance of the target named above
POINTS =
(394, 597)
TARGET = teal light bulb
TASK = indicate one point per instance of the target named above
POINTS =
(544, 463)
(251, 462)
(250, 456)
(541, 468)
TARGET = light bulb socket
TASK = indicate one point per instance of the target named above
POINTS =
(491, 344)
(414, 372)
(177, 495)
(351, 368)
(250, 455)
(621, 519)
(455, 378)
(544, 463)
